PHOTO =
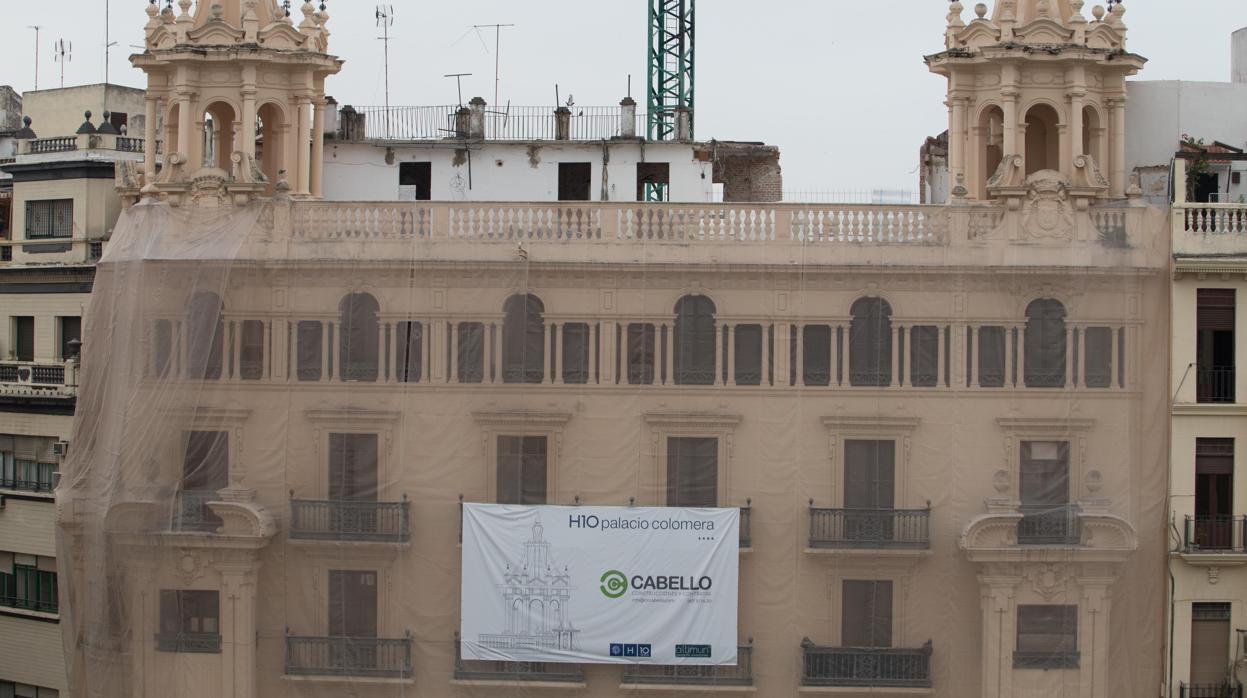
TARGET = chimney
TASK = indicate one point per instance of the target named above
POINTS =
(627, 118)
(352, 124)
(476, 121)
(331, 116)
(562, 124)
(462, 119)
(683, 124)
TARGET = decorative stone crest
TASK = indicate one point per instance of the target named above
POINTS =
(1048, 581)
(191, 566)
(1048, 214)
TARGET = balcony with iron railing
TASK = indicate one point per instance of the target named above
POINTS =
(515, 672)
(869, 529)
(1231, 689)
(42, 379)
(871, 667)
(192, 514)
(356, 657)
(741, 674)
(194, 643)
(1049, 524)
(1215, 534)
(1214, 384)
(350, 521)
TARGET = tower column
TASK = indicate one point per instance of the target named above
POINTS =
(149, 139)
(1117, 181)
(1010, 109)
(304, 136)
(246, 131)
(318, 148)
(957, 140)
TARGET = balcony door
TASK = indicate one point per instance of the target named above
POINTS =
(1043, 488)
(692, 471)
(353, 482)
(353, 619)
(1214, 344)
(869, 490)
(866, 620)
(1214, 493)
(205, 471)
(1210, 643)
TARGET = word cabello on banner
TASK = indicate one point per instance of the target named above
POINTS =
(600, 585)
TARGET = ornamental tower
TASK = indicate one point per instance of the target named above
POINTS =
(235, 98)
(1036, 87)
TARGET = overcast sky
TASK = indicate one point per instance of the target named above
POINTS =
(839, 85)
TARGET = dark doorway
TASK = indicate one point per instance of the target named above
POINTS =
(653, 181)
(574, 180)
(415, 179)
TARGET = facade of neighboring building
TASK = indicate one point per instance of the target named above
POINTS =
(64, 205)
(59, 110)
(940, 422)
(1208, 534)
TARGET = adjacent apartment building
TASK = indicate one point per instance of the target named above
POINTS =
(942, 424)
(61, 189)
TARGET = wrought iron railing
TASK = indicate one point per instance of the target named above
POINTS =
(702, 675)
(746, 534)
(1028, 659)
(501, 123)
(348, 656)
(193, 514)
(483, 670)
(209, 643)
(1214, 384)
(350, 520)
(1232, 689)
(29, 604)
(1215, 534)
(1050, 524)
(870, 528)
(866, 666)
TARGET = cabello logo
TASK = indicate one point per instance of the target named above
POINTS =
(614, 584)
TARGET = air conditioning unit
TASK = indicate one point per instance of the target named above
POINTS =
(60, 448)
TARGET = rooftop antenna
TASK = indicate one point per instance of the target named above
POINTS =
(36, 28)
(107, 44)
(385, 20)
(459, 83)
(63, 52)
(497, 56)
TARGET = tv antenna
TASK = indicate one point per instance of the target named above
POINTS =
(497, 55)
(385, 20)
(63, 52)
(107, 44)
(36, 28)
(459, 83)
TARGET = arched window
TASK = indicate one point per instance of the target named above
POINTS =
(1093, 136)
(357, 337)
(205, 336)
(523, 339)
(219, 123)
(694, 341)
(870, 343)
(1045, 344)
(1043, 142)
(991, 146)
(270, 142)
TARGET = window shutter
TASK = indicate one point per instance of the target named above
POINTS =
(1215, 309)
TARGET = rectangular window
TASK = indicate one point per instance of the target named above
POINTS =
(869, 474)
(575, 352)
(1047, 637)
(1214, 344)
(70, 330)
(308, 350)
(9, 689)
(251, 350)
(471, 355)
(28, 582)
(692, 471)
(353, 467)
(1047, 518)
(410, 351)
(522, 470)
(1210, 644)
(1214, 494)
(26, 463)
(816, 355)
(353, 610)
(747, 354)
(991, 368)
(24, 338)
(866, 620)
(924, 353)
(1097, 357)
(415, 181)
(640, 353)
(574, 181)
(53, 218)
(189, 621)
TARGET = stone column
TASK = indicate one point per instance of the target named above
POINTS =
(246, 131)
(668, 356)
(557, 348)
(185, 126)
(384, 361)
(266, 351)
(718, 353)
(842, 333)
(975, 378)
(895, 358)
(324, 350)
(546, 373)
(942, 342)
(730, 358)
(1076, 97)
(800, 340)
(238, 629)
(956, 138)
(1071, 365)
(1021, 352)
(1117, 180)
(318, 150)
(452, 375)
(496, 354)
(149, 139)
(1093, 635)
(999, 634)
(429, 347)
(595, 353)
(303, 151)
(235, 359)
(766, 355)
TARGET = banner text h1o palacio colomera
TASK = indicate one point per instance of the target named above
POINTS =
(600, 585)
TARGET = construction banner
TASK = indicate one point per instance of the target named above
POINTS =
(600, 585)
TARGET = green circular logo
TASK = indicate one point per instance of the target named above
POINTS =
(614, 584)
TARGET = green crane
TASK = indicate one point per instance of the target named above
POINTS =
(670, 65)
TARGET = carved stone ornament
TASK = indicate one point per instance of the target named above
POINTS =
(1214, 575)
(209, 183)
(1008, 174)
(1048, 580)
(1002, 481)
(1095, 481)
(1048, 213)
(191, 566)
(1088, 174)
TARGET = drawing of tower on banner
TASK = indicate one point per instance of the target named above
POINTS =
(537, 594)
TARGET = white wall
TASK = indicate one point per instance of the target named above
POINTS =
(509, 171)
(1238, 56)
